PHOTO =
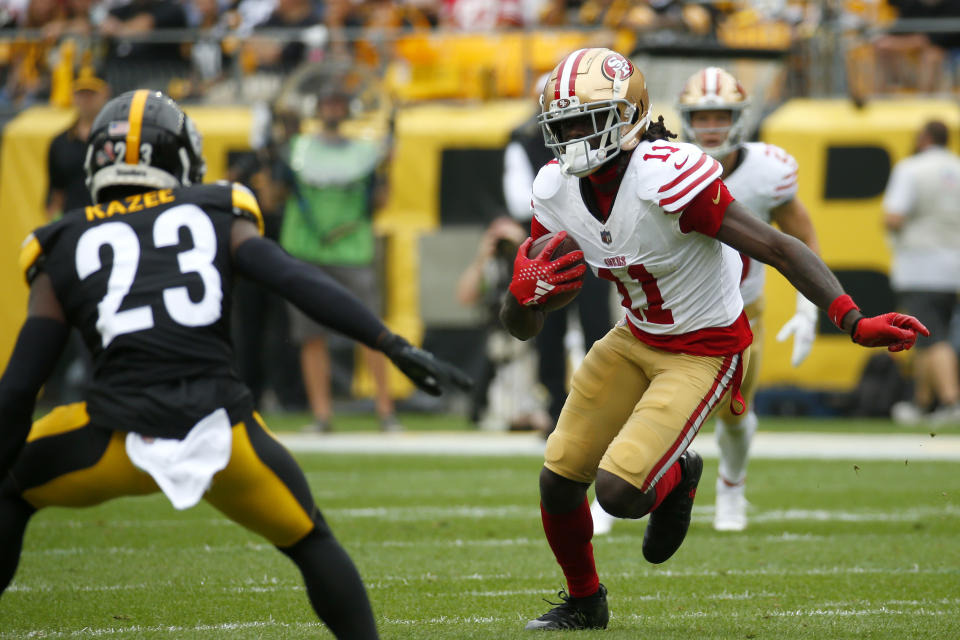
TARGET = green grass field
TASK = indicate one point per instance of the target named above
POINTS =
(451, 547)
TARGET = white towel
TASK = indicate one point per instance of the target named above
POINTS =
(183, 469)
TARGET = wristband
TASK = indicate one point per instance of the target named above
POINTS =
(841, 307)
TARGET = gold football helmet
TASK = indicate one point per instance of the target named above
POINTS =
(605, 89)
(713, 89)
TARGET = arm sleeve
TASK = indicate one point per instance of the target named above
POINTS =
(517, 181)
(537, 229)
(38, 347)
(705, 211)
(311, 290)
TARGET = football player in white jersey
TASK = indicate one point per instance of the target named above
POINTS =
(653, 216)
(763, 178)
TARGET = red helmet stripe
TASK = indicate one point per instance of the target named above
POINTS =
(573, 73)
(556, 86)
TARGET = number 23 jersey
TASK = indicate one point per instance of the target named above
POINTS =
(147, 281)
(680, 288)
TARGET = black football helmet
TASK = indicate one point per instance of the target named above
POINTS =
(143, 138)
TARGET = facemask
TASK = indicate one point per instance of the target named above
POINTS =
(579, 160)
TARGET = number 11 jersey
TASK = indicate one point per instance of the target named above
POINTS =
(680, 288)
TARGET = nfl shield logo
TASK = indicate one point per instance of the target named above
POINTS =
(606, 237)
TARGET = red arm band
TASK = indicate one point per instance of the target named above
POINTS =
(841, 307)
(537, 229)
(705, 211)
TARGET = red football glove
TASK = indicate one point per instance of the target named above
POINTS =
(536, 279)
(895, 331)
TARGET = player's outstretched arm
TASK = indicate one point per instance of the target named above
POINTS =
(39, 345)
(808, 273)
(330, 304)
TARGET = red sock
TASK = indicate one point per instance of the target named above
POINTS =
(569, 536)
(668, 481)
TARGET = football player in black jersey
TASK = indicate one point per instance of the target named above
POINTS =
(145, 274)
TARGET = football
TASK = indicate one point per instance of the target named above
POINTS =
(559, 300)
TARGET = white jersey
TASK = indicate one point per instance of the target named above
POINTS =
(765, 178)
(671, 282)
(925, 189)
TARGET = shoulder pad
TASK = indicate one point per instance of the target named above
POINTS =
(245, 205)
(31, 257)
(548, 181)
(672, 173)
(780, 169)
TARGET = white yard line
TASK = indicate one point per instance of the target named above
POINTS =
(771, 445)
(391, 582)
(925, 608)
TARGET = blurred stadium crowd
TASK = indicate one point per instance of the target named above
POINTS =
(213, 49)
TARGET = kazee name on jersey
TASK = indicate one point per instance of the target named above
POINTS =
(130, 204)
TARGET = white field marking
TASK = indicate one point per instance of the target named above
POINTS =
(388, 581)
(398, 514)
(406, 514)
(444, 620)
(769, 445)
(74, 551)
(106, 588)
(818, 611)
(89, 632)
(701, 514)
(124, 524)
(418, 513)
(793, 613)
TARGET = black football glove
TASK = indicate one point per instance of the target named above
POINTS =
(426, 371)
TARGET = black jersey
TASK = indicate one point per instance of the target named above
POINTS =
(147, 281)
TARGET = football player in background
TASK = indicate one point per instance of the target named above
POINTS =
(653, 216)
(145, 274)
(763, 178)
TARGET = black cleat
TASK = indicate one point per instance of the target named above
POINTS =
(669, 523)
(590, 612)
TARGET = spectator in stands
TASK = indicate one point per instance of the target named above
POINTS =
(922, 213)
(651, 16)
(481, 14)
(67, 185)
(27, 77)
(75, 20)
(210, 53)
(504, 393)
(284, 55)
(337, 183)
(916, 60)
(525, 154)
(133, 63)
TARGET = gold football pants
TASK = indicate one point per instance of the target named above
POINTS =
(69, 463)
(634, 409)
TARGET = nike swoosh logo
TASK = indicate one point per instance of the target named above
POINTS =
(717, 199)
(680, 165)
